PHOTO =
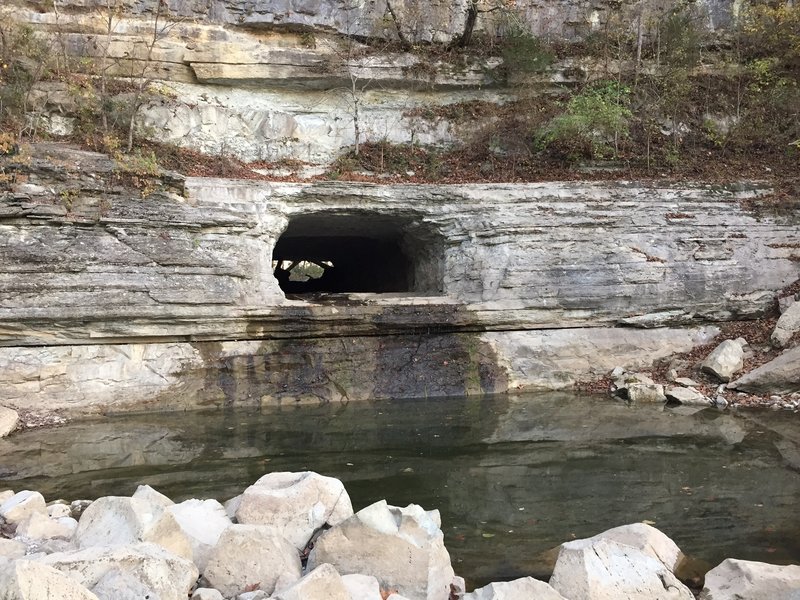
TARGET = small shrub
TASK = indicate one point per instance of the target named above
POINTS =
(592, 125)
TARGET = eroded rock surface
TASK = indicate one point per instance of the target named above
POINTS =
(749, 580)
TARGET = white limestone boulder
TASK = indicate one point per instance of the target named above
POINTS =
(686, 395)
(749, 580)
(207, 594)
(119, 520)
(725, 360)
(118, 585)
(402, 547)
(21, 505)
(645, 538)
(788, 324)
(12, 549)
(646, 392)
(781, 375)
(294, 505)
(608, 570)
(170, 577)
(362, 587)
(251, 555)
(145, 492)
(323, 583)
(57, 510)
(526, 587)
(29, 580)
(9, 419)
(39, 526)
(203, 521)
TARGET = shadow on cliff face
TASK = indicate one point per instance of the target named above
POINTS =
(426, 362)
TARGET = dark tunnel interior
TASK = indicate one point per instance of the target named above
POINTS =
(356, 252)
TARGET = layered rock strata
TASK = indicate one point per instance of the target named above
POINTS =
(168, 291)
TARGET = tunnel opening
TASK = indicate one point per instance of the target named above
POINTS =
(358, 252)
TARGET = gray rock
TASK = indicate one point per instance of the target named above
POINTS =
(402, 547)
(28, 580)
(21, 505)
(294, 505)
(206, 594)
(203, 521)
(119, 520)
(725, 360)
(38, 526)
(322, 583)
(608, 570)
(9, 419)
(748, 580)
(788, 324)
(362, 587)
(781, 375)
(119, 585)
(686, 382)
(686, 396)
(646, 392)
(12, 549)
(167, 575)
(251, 555)
(526, 587)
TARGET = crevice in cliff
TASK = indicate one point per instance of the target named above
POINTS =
(356, 251)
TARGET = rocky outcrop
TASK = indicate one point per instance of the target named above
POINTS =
(171, 299)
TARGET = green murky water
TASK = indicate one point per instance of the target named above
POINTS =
(512, 476)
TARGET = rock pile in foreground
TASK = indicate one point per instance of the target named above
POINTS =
(294, 536)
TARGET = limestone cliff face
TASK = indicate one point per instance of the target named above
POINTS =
(103, 290)
(280, 80)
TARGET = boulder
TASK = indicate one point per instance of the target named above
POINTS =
(646, 392)
(608, 570)
(39, 526)
(203, 521)
(28, 580)
(323, 583)
(9, 419)
(12, 549)
(5, 495)
(21, 505)
(294, 505)
(788, 324)
(637, 387)
(207, 594)
(748, 580)
(170, 577)
(118, 585)
(644, 538)
(402, 547)
(251, 555)
(119, 520)
(56, 510)
(725, 360)
(526, 587)
(362, 587)
(781, 375)
(145, 492)
(685, 395)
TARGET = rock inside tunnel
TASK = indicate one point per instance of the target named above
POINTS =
(358, 252)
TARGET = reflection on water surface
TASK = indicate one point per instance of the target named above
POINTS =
(512, 476)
